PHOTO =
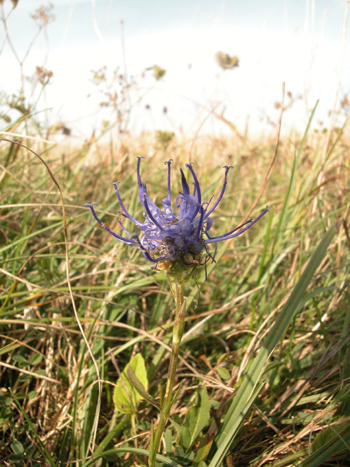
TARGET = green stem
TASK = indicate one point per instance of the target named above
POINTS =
(179, 324)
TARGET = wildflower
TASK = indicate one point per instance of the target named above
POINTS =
(180, 230)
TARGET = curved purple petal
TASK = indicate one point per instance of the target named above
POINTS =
(210, 222)
(185, 187)
(200, 224)
(141, 188)
(127, 233)
(151, 205)
(149, 257)
(227, 236)
(149, 212)
(129, 216)
(222, 192)
(168, 163)
(237, 228)
(216, 250)
(196, 183)
(119, 237)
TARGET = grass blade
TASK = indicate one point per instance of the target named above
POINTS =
(239, 405)
(141, 452)
(42, 447)
(330, 449)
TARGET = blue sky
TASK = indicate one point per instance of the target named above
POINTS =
(298, 42)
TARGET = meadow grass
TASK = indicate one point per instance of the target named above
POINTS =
(49, 395)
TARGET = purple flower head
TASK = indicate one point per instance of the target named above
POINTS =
(179, 231)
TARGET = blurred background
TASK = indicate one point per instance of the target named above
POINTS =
(156, 63)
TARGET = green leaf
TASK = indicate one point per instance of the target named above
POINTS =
(17, 448)
(15, 458)
(140, 387)
(327, 435)
(176, 425)
(333, 447)
(30, 451)
(196, 419)
(125, 396)
(177, 393)
(168, 439)
(32, 395)
(36, 359)
(184, 458)
(223, 372)
(20, 359)
(9, 347)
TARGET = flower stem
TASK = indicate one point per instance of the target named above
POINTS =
(179, 324)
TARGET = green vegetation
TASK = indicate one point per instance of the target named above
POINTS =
(296, 410)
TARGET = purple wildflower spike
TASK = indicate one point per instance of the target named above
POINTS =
(171, 235)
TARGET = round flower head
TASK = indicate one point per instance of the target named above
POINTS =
(180, 230)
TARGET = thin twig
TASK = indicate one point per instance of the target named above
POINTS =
(35, 375)
(263, 186)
